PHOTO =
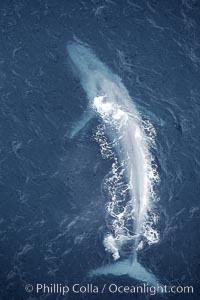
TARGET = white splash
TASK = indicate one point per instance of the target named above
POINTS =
(119, 186)
(126, 139)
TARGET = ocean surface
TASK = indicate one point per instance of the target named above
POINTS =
(52, 205)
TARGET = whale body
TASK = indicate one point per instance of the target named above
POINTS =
(109, 99)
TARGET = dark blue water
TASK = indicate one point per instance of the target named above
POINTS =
(52, 211)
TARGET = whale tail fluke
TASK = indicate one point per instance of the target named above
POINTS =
(132, 269)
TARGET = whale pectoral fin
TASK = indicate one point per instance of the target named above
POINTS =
(81, 124)
(126, 267)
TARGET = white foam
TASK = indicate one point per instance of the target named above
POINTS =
(121, 122)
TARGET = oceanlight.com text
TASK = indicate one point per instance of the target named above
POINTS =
(63, 289)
